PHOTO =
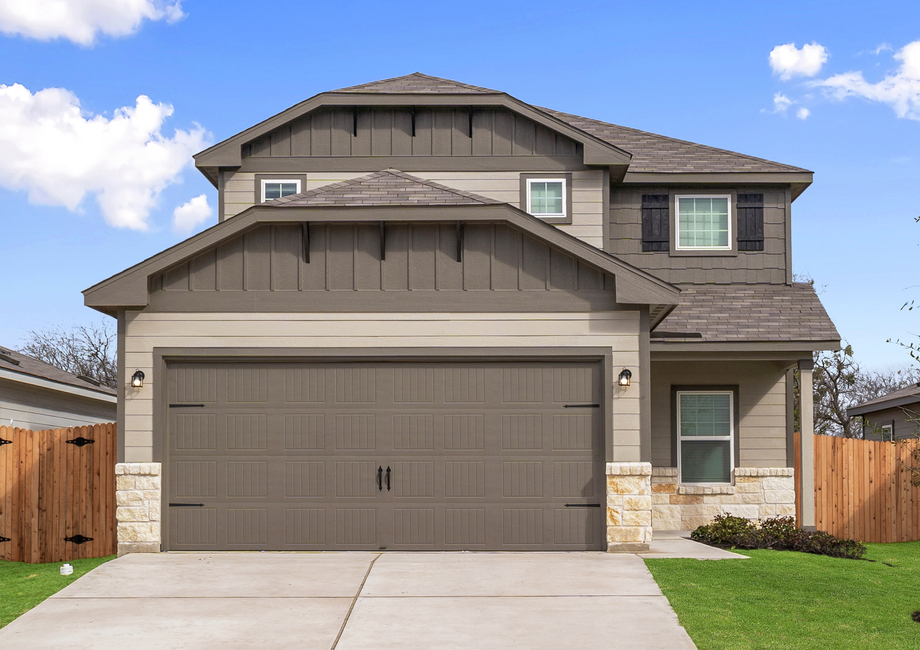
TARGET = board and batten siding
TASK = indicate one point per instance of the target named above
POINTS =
(752, 267)
(616, 330)
(364, 131)
(30, 407)
(587, 193)
(761, 407)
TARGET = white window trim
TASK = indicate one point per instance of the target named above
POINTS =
(677, 198)
(279, 180)
(887, 432)
(731, 436)
(555, 215)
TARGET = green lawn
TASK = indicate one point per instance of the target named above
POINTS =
(23, 586)
(788, 600)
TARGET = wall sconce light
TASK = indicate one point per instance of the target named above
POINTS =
(625, 376)
(137, 379)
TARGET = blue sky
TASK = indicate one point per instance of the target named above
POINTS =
(87, 192)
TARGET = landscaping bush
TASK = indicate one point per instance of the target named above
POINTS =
(779, 533)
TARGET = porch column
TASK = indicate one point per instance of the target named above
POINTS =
(807, 424)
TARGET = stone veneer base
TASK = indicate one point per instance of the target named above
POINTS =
(758, 493)
(629, 507)
(137, 500)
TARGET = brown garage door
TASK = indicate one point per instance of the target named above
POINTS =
(306, 456)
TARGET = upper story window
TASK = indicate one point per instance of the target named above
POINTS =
(705, 436)
(703, 222)
(548, 196)
(276, 188)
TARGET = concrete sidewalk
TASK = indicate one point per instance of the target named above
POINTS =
(351, 601)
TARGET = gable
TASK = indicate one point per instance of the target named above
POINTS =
(411, 131)
(375, 267)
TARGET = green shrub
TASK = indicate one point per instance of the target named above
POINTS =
(779, 533)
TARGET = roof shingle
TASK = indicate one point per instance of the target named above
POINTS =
(418, 83)
(386, 187)
(757, 312)
(654, 153)
(30, 366)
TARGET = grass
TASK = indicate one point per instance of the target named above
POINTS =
(23, 586)
(789, 600)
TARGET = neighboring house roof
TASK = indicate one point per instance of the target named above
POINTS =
(901, 397)
(18, 366)
(654, 153)
(418, 83)
(748, 313)
(386, 187)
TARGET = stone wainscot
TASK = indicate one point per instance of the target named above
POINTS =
(137, 500)
(758, 493)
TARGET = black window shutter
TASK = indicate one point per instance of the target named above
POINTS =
(655, 223)
(750, 222)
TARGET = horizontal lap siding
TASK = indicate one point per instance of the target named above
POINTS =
(761, 407)
(36, 408)
(144, 332)
(767, 266)
(587, 193)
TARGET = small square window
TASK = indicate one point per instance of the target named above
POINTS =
(705, 436)
(887, 431)
(276, 189)
(546, 197)
(703, 222)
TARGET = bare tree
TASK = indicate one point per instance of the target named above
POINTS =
(87, 350)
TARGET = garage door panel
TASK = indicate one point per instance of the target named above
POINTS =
(482, 456)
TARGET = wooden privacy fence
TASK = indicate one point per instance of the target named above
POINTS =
(57, 493)
(863, 489)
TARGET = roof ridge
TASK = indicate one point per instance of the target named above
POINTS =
(376, 85)
(559, 114)
(439, 186)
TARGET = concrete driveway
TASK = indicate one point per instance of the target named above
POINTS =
(351, 601)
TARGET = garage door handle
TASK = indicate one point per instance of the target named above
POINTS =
(388, 479)
(582, 505)
(380, 479)
(186, 505)
(581, 406)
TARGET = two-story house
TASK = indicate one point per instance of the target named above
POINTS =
(432, 316)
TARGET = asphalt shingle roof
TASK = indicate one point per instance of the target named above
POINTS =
(387, 187)
(654, 153)
(910, 391)
(30, 366)
(758, 312)
(417, 83)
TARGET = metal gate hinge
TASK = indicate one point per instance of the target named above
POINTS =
(4, 539)
(5, 442)
(78, 539)
(79, 442)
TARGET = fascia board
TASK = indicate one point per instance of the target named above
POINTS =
(708, 178)
(805, 347)
(39, 382)
(130, 287)
(227, 153)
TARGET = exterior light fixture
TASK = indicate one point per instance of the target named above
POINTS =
(625, 376)
(137, 379)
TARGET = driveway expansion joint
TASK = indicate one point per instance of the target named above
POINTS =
(353, 601)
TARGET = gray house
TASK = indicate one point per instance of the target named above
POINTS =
(36, 395)
(892, 416)
(433, 316)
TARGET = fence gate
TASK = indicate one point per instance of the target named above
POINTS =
(57, 493)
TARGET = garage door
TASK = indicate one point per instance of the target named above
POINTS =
(367, 456)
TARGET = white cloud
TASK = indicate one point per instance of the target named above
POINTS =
(781, 103)
(82, 20)
(58, 154)
(803, 113)
(789, 61)
(900, 90)
(192, 214)
(884, 47)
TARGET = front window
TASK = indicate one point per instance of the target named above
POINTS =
(703, 222)
(705, 435)
(546, 197)
(275, 189)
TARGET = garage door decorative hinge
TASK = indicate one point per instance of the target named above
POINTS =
(4, 539)
(80, 442)
(78, 539)
(581, 406)
(186, 406)
(582, 505)
(5, 442)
